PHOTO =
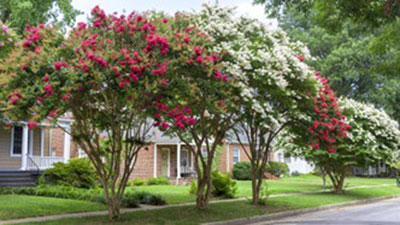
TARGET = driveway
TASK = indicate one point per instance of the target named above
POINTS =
(380, 213)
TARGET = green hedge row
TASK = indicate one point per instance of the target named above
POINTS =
(130, 199)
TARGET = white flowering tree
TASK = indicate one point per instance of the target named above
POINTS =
(275, 83)
(373, 136)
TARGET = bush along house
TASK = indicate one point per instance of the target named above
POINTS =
(169, 157)
(25, 153)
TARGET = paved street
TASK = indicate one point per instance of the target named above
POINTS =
(381, 213)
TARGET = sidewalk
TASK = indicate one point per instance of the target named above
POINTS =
(148, 207)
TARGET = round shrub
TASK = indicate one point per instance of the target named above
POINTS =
(242, 171)
(223, 185)
(76, 173)
(277, 168)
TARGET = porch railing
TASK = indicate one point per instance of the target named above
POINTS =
(42, 162)
(186, 169)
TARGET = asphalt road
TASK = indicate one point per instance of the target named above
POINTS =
(380, 213)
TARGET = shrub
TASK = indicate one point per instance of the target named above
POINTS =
(296, 174)
(76, 173)
(148, 198)
(193, 187)
(129, 199)
(137, 182)
(158, 181)
(277, 168)
(66, 192)
(264, 194)
(242, 171)
(223, 185)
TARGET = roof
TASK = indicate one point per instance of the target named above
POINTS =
(160, 137)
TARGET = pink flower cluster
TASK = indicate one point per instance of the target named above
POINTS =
(328, 126)
(59, 65)
(32, 35)
(178, 114)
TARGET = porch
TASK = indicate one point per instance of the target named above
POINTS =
(174, 161)
(22, 149)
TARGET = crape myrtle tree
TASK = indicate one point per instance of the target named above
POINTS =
(205, 100)
(372, 136)
(274, 81)
(112, 75)
(8, 41)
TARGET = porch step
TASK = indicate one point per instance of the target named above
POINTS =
(18, 178)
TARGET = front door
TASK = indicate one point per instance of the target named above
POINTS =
(164, 162)
(184, 161)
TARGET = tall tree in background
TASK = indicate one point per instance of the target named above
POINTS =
(18, 13)
(354, 41)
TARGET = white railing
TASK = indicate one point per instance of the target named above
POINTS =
(42, 162)
(186, 169)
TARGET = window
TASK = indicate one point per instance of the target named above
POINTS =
(16, 141)
(288, 159)
(236, 155)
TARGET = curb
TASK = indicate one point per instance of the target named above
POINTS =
(282, 215)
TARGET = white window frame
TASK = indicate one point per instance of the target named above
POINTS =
(12, 144)
(30, 144)
(238, 155)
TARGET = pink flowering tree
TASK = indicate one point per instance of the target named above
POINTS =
(113, 76)
(199, 106)
(321, 136)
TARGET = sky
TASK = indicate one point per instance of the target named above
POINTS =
(244, 7)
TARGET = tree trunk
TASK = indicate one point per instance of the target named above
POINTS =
(337, 181)
(204, 185)
(256, 183)
(113, 204)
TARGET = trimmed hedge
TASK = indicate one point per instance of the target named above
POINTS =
(130, 199)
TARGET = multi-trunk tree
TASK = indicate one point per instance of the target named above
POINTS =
(372, 136)
(274, 82)
(113, 75)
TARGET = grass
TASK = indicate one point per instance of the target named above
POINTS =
(19, 206)
(177, 194)
(188, 215)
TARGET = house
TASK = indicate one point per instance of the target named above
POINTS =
(26, 153)
(169, 157)
(295, 164)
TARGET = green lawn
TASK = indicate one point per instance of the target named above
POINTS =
(177, 194)
(188, 215)
(19, 206)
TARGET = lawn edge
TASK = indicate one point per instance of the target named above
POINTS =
(290, 213)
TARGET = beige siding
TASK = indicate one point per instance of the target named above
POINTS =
(6, 161)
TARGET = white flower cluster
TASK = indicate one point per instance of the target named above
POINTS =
(372, 127)
(257, 55)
